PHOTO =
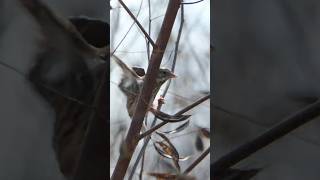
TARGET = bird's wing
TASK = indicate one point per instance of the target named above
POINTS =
(127, 70)
(140, 71)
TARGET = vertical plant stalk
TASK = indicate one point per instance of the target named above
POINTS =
(142, 167)
(149, 30)
(132, 138)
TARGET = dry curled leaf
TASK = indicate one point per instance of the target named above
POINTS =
(168, 152)
(169, 118)
(169, 149)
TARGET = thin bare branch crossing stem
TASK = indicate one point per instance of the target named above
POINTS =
(138, 23)
(132, 137)
(149, 30)
(124, 37)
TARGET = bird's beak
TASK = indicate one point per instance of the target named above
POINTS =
(172, 75)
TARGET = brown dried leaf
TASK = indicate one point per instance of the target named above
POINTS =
(170, 150)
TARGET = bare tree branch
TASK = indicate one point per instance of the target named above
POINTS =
(138, 23)
(126, 34)
(197, 161)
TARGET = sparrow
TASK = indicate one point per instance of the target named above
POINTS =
(66, 73)
(132, 81)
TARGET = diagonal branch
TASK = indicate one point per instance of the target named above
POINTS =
(138, 23)
(197, 161)
(132, 138)
(125, 35)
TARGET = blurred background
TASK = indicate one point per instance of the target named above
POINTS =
(192, 82)
(26, 119)
(266, 67)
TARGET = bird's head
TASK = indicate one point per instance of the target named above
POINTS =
(164, 75)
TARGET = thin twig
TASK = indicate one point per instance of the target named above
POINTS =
(197, 161)
(149, 30)
(201, 100)
(176, 50)
(142, 167)
(126, 34)
(156, 17)
(138, 23)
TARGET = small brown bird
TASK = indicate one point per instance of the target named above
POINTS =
(132, 82)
